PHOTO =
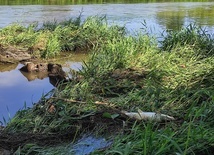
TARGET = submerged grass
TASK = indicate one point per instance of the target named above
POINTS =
(130, 73)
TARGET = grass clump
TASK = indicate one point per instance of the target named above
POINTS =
(54, 37)
(131, 73)
(18, 35)
(192, 35)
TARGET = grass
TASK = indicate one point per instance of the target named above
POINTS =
(52, 37)
(130, 73)
(192, 35)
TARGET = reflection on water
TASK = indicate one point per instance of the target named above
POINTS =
(30, 76)
(88, 144)
(182, 15)
(19, 89)
(15, 91)
(7, 67)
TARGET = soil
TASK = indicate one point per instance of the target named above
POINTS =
(12, 54)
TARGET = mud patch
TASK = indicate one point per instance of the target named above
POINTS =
(12, 54)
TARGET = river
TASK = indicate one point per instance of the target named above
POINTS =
(17, 92)
(158, 16)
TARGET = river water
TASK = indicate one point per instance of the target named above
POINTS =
(158, 16)
(16, 91)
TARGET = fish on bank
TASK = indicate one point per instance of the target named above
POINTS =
(152, 116)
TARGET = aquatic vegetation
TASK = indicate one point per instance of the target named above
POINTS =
(130, 73)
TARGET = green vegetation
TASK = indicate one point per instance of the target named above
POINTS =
(52, 38)
(125, 73)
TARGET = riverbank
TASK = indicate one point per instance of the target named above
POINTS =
(123, 73)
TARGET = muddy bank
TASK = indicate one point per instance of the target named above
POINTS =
(11, 54)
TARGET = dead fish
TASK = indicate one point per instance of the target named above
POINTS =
(140, 115)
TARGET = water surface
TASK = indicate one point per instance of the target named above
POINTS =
(21, 90)
(73, 2)
(158, 16)
(15, 90)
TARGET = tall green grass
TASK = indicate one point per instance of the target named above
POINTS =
(133, 72)
(179, 82)
(194, 36)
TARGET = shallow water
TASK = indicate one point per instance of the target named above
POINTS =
(20, 90)
(88, 144)
(16, 90)
(84, 145)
